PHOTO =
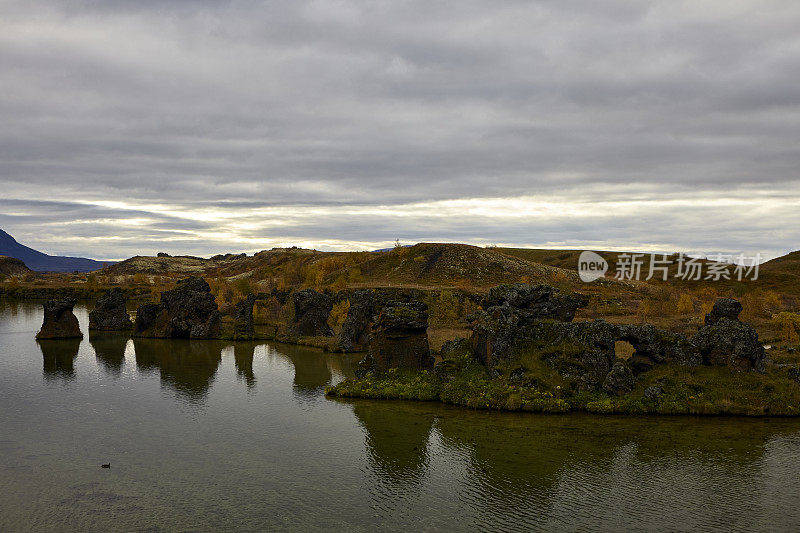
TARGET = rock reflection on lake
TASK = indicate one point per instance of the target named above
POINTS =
(213, 435)
(59, 358)
(109, 348)
(187, 367)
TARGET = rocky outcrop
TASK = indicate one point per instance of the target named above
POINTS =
(536, 301)
(654, 347)
(730, 343)
(243, 318)
(356, 326)
(619, 380)
(147, 316)
(509, 310)
(59, 321)
(187, 311)
(399, 338)
(724, 308)
(109, 313)
(311, 310)
(535, 319)
(582, 352)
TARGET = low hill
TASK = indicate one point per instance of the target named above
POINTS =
(41, 262)
(781, 274)
(430, 265)
(11, 266)
(167, 265)
(435, 264)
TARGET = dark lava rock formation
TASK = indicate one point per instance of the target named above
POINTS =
(509, 309)
(311, 310)
(730, 343)
(356, 326)
(187, 311)
(520, 319)
(536, 301)
(59, 321)
(110, 314)
(724, 308)
(243, 318)
(399, 338)
(619, 380)
(655, 346)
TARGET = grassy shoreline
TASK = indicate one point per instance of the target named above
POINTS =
(665, 390)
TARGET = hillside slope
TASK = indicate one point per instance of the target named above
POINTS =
(41, 262)
(436, 264)
(10, 266)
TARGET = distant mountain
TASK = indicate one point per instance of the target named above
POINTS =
(41, 262)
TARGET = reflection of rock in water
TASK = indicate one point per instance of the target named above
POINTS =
(186, 366)
(343, 365)
(109, 348)
(243, 353)
(311, 373)
(516, 460)
(59, 358)
(397, 441)
(525, 467)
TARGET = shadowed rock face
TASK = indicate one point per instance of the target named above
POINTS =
(311, 310)
(399, 338)
(243, 318)
(619, 380)
(59, 321)
(146, 317)
(356, 326)
(724, 308)
(730, 343)
(187, 311)
(110, 313)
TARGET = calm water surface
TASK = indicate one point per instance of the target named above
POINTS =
(209, 436)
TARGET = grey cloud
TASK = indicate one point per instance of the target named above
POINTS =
(246, 104)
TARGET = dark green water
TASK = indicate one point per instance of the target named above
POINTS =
(211, 436)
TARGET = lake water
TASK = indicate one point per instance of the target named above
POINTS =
(210, 436)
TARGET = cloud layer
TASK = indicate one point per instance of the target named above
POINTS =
(199, 127)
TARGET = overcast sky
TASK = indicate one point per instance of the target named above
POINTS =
(132, 127)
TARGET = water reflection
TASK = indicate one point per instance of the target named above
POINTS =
(397, 444)
(539, 472)
(109, 349)
(188, 367)
(243, 354)
(59, 358)
(349, 465)
(311, 372)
